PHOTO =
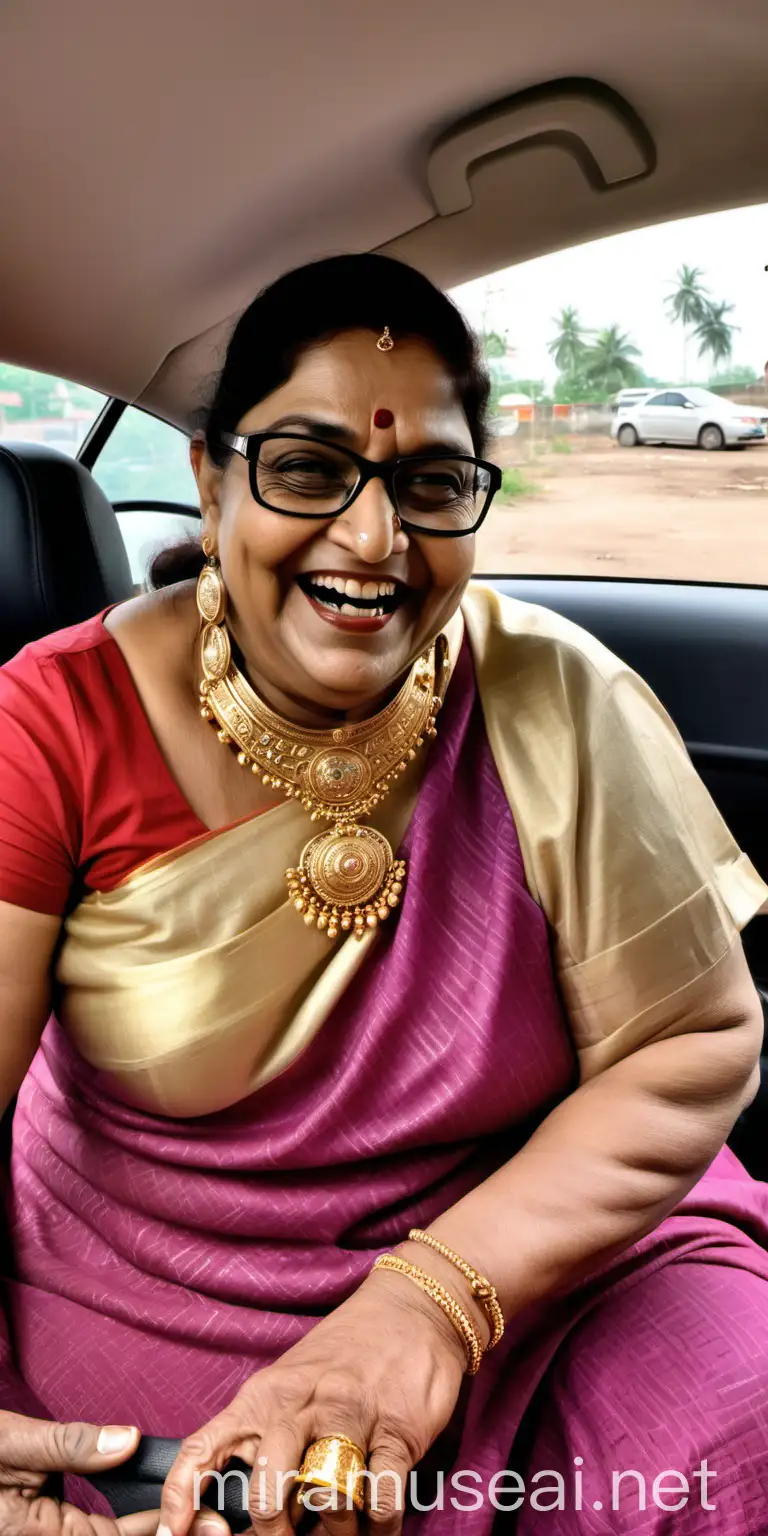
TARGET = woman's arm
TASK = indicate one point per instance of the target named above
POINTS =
(27, 942)
(614, 1158)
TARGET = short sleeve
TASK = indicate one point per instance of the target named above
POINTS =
(40, 768)
(644, 888)
(656, 890)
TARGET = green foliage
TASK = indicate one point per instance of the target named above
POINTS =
(514, 484)
(43, 395)
(561, 445)
(714, 333)
(610, 364)
(493, 344)
(145, 459)
(688, 302)
(737, 375)
(570, 344)
(535, 389)
(574, 389)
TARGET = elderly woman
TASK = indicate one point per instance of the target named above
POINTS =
(400, 1013)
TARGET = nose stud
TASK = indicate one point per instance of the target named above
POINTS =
(362, 538)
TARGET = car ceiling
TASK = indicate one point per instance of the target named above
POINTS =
(162, 161)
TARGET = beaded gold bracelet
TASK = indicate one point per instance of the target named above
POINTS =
(445, 1301)
(481, 1289)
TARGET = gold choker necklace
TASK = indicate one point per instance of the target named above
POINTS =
(348, 877)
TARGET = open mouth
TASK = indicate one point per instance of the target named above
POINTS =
(353, 598)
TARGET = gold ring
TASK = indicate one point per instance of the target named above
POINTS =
(335, 1463)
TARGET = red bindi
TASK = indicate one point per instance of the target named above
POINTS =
(383, 418)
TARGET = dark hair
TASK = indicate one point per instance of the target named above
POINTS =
(312, 304)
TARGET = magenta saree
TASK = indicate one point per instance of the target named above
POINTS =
(159, 1262)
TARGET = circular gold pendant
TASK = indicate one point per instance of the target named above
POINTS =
(347, 880)
(347, 868)
(339, 775)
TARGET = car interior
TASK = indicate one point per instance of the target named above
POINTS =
(163, 163)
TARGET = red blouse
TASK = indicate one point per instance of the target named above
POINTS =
(85, 793)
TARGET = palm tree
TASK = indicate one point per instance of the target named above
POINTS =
(609, 363)
(687, 304)
(569, 345)
(714, 333)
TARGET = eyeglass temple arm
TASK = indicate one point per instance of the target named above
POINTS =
(239, 443)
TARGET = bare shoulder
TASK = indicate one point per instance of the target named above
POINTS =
(157, 624)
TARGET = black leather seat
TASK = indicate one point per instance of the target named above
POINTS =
(62, 557)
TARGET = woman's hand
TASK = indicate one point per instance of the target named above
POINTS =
(31, 1450)
(384, 1369)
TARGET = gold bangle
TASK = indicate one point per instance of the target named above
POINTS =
(481, 1289)
(445, 1301)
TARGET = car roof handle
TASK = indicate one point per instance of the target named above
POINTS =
(589, 120)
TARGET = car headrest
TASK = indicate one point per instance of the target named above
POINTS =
(62, 558)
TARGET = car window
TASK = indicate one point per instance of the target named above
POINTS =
(675, 310)
(38, 408)
(144, 460)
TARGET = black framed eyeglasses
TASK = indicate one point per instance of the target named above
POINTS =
(445, 495)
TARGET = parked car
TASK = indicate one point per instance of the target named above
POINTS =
(691, 416)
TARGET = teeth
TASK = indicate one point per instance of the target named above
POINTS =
(351, 587)
(347, 608)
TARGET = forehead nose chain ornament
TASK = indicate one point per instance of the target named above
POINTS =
(385, 342)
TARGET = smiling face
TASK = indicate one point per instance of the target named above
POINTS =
(305, 653)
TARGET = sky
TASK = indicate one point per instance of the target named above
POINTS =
(623, 280)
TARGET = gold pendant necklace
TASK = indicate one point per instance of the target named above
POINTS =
(347, 878)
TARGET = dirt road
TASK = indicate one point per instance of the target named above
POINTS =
(595, 509)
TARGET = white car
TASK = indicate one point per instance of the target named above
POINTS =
(687, 416)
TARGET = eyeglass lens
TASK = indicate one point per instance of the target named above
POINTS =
(312, 479)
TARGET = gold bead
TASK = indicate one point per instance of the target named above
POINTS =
(392, 899)
(299, 903)
(332, 931)
(396, 887)
(346, 921)
(411, 754)
(277, 783)
(382, 913)
(206, 713)
(419, 741)
(265, 778)
(223, 735)
(255, 768)
(309, 918)
(315, 816)
(322, 921)
(372, 920)
(242, 759)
